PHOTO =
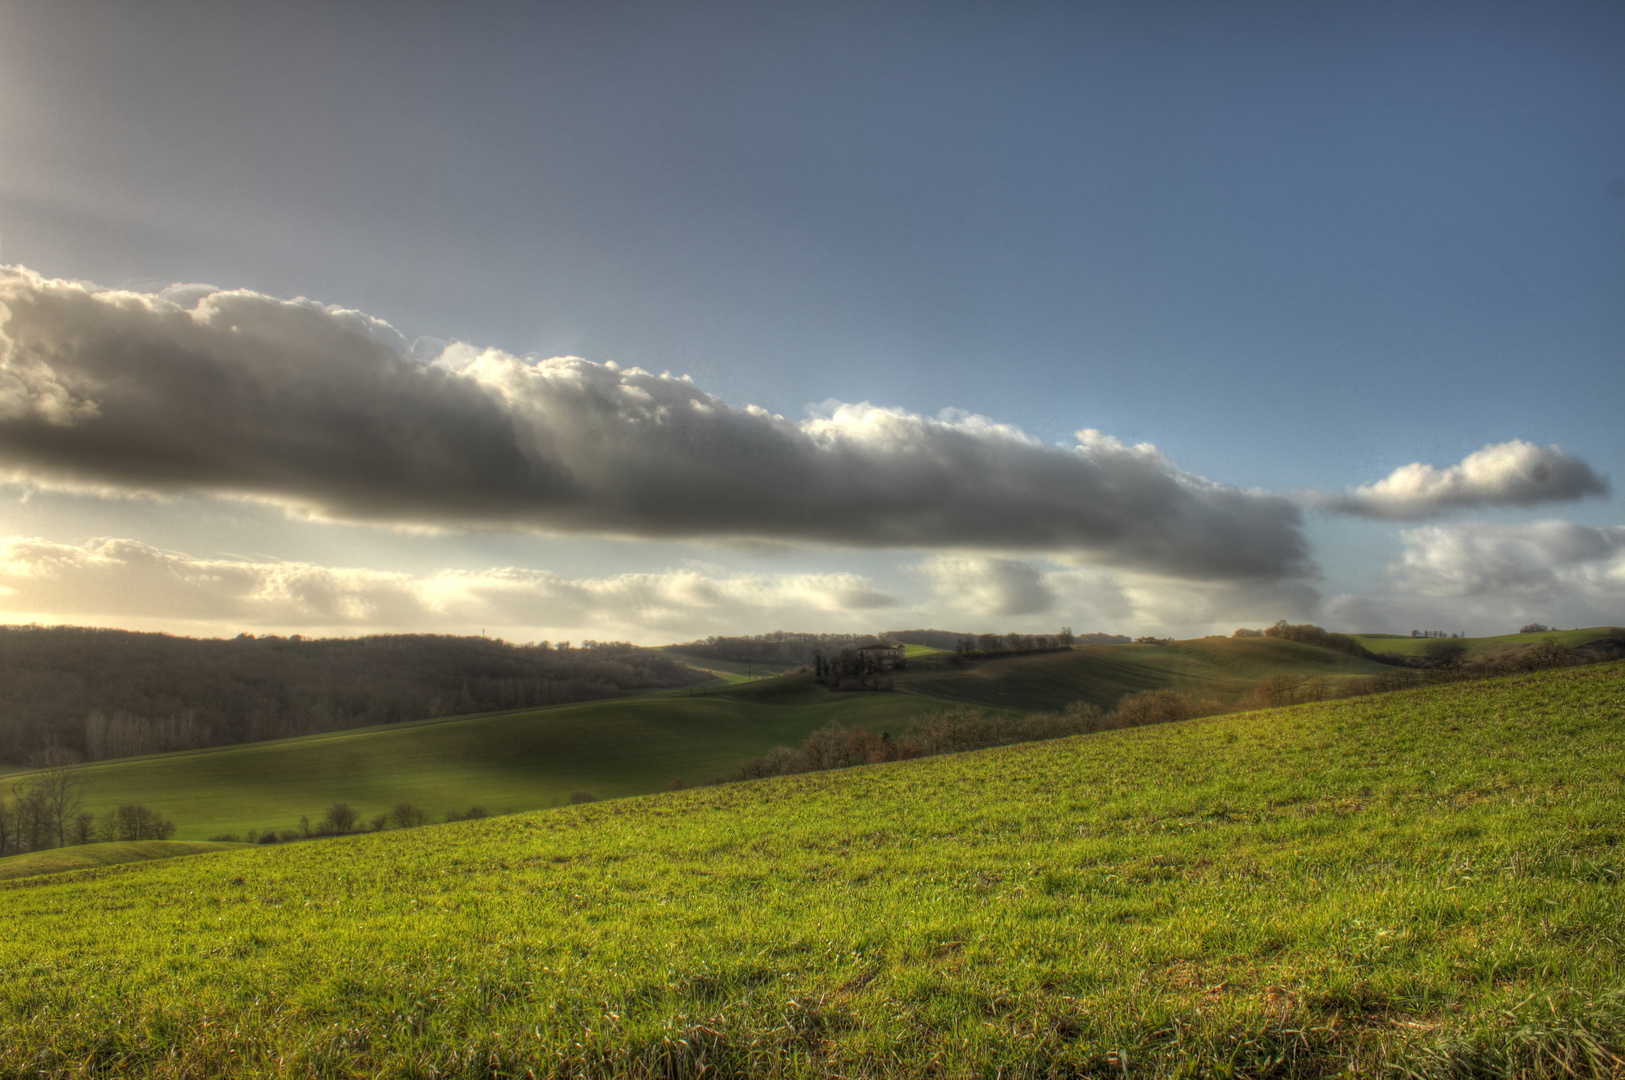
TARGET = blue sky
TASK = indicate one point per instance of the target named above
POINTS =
(1296, 247)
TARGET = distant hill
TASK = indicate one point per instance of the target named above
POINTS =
(1223, 669)
(535, 758)
(1499, 647)
(115, 693)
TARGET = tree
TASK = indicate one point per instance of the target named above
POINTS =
(136, 822)
(341, 818)
(1548, 652)
(1445, 655)
(407, 816)
(59, 788)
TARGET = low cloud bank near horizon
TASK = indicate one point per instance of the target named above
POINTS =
(124, 579)
(1491, 578)
(134, 585)
(1515, 473)
(327, 412)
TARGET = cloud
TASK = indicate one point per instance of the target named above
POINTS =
(1491, 578)
(329, 412)
(1512, 473)
(1006, 594)
(986, 586)
(121, 579)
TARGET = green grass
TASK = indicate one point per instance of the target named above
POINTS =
(1424, 883)
(532, 759)
(1220, 668)
(1505, 644)
(505, 762)
(85, 856)
(731, 671)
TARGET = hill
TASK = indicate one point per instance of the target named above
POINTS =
(1423, 883)
(117, 693)
(1499, 647)
(532, 759)
(521, 760)
(1223, 669)
(87, 856)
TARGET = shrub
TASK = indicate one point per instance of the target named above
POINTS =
(268, 836)
(379, 823)
(582, 797)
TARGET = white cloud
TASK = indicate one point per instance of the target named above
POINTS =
(1492, 578)
(329, 412)
(126, 580)
(983, 586)
(1512, 473)
(1005, 594)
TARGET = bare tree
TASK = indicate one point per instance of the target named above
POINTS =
(55, 788)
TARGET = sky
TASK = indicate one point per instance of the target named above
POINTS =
(647, 322)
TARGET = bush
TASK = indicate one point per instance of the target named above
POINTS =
(1534, 628)
(473, 813)
(268, 836)
(582, 797)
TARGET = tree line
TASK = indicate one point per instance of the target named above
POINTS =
(953, 731)
(781, 647)
(117, 693)
(45, 810)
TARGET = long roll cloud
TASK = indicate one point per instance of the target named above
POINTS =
(241, 394)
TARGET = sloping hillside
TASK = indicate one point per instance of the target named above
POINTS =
(1500, 647)
(1219, 668)
(504, 762)
(89, 856)
(1423, 883)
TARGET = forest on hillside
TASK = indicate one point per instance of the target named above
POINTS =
(115, 693)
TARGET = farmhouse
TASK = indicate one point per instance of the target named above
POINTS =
(881, 654)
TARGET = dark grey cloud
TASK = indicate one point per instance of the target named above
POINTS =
(1513, 473)
(241, 394)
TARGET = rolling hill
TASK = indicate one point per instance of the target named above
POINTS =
(1424, 883)
(537, 758)
(1219, 668)
(88, 856)
(505, 762)
(1498, 647)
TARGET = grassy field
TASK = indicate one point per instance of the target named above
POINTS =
(1424, 883)
(1505, 644)
(510, 761)
(730, 671)
(1219, 668)
(533, 759)
(86, 856)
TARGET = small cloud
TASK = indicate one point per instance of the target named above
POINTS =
(1513, 473)
(984, 585)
